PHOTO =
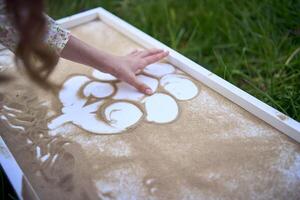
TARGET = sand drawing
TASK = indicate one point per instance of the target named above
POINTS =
(103, 105)
(183, 142)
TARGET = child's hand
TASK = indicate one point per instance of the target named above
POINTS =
(125, 68)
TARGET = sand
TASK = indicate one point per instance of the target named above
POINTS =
(214, 149)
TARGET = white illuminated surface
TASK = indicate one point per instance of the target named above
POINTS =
(126, 91)
(98, 89)
(69, 93)
(122, 114)
(160, 108)
(92, 124)
(6, 58)
(159, 69)
(103, 76)
(179, 86)
(77, 115)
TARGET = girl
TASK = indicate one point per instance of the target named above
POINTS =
(38, 41)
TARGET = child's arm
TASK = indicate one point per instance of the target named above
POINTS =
(124, 68)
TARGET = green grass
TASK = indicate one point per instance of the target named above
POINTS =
(254, 44)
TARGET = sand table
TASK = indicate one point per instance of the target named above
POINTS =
(97, 137)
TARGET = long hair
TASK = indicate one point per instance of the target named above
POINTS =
(32, 54)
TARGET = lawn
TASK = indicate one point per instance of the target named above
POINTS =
(254, 44)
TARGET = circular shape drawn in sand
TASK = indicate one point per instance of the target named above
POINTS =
(128, 92)
(122, 115)
(103, 76)
(69, 93)
(160, 108)
(93, 124)
(179, 86)
(98, 89)
(159, 69)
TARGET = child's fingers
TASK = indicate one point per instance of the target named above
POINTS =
(140, 86)
(150, 52)
(134, 52)
(156, 57)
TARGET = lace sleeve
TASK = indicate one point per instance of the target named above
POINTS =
(8, 34)
(56, 37)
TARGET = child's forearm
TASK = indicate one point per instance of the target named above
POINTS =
(80, 52)
(124, 68)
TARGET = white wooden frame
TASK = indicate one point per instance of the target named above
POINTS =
(273, 117)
